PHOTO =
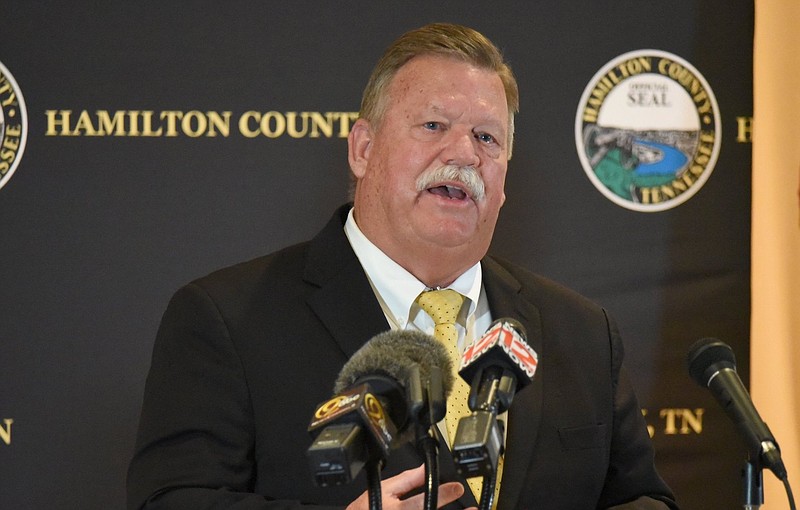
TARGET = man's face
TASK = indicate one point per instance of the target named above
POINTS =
(439, 111)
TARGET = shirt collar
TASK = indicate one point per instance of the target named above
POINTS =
(396, 288)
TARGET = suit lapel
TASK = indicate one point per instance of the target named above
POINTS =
(506, 299)
(344, 301)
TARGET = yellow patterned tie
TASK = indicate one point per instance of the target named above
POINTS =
(443, 307)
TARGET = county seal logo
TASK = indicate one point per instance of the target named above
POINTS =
(13, 125)
(648, 130)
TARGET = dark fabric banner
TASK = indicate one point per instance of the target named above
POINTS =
(143, 145)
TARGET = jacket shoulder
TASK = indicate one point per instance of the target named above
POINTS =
(286, 263)
(537, 288)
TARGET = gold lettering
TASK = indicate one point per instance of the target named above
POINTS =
(704, 153)
(669, 427)
(651, 196)
(12, 97)
(11, 142)
(662, 66)
(651, 430)
(690, 421)
(637, 66)
(14, 130)
(279, 121)
(219, 124)
(593, 107)
(5, 432)
(147, 124)
(84, 125)
(10, 146)
(133, 121)
(62, 121)
(194, 124)
(320, 123)
(606, 83)
(344, 122)
(244, 126)
(590, 114)
(706, 104)
(745, 133)
(681, 185)
(291, 122)
(597, 95)
(108, 124)
(669, 192)
(689, 81)
(171, 116)
(7, 156)
(697, 169)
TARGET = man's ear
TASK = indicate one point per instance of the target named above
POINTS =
(359, 144)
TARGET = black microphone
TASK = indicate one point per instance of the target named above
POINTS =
(496, 365)
(712, 363)
(371, 406)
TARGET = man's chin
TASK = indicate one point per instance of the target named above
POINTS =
(451, 225)
(449, 235)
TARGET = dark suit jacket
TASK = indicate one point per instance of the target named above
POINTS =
(244, 356)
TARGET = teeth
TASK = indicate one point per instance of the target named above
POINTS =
(455, 192)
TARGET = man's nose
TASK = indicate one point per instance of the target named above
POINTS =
(460, 149)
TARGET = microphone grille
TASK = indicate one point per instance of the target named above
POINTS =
(393, 354)
(515, 324)
(706, 353)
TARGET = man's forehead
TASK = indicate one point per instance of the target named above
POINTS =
(436, 63)
(431, 78)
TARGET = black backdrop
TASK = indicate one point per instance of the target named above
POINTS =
(99, 226)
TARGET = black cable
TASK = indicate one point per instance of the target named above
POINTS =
(789, 494)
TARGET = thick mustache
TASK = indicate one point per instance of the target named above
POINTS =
(466, 176)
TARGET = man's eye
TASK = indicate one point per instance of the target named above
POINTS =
(485, 138)
(433, 126)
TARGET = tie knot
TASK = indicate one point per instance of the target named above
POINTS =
(442, 305)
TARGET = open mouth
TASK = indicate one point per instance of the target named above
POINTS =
(446, 191)
(455, 183)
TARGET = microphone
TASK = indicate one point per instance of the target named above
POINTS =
(496, 365)
(371, 404)
(712, 363)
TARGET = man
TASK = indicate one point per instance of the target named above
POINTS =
(244, 355)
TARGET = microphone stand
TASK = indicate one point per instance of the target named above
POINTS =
(487, 490)
(479, 442)
(427, 406)
(753, 479)
(373, 468)
(428, 447)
